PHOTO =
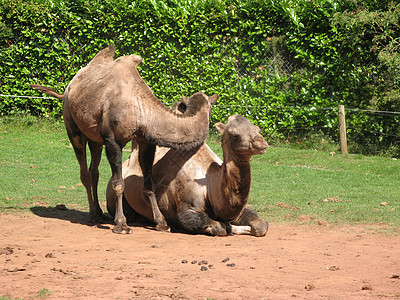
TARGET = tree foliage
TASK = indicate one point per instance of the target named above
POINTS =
(280, 63)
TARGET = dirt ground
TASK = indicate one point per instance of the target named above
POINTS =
(55, 255)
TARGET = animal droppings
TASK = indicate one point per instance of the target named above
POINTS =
(309, 287)
(366, 287)
(6, 251)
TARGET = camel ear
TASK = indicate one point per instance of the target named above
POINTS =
(185, 100)
(221, 127)
(213, 98)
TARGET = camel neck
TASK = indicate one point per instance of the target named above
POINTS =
(165, 128)
(236, 179)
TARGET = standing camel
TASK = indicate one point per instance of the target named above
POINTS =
(195, 190)
(108, 103)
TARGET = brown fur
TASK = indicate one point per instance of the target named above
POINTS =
(198, 192)
(107, 102)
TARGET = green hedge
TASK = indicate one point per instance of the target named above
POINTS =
(339, 53)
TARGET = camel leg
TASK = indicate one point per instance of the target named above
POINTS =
(129, 213)
(146, 159)
(199, 222)
(114, 156)
(239, 230)
(249, 217)
(79, 141)
(95, 153)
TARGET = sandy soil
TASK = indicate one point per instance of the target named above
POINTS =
(54, 254)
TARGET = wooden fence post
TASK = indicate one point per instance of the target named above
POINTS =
(342, 129)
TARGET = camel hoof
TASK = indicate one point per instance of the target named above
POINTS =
(122, 229)
(219, 232)
(163, 227)
(220, 229)
(217, 229)
(261, 230)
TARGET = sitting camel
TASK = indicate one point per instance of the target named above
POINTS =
(195, 190)
(108, 103)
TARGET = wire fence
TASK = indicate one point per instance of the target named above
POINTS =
(269, 63)
(310, 108)
(294, 127)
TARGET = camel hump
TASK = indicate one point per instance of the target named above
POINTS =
(137, 60)
(129, 60)
(106, 55)
(107, 52)
(47, 90)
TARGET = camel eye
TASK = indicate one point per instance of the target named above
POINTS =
(235, 137)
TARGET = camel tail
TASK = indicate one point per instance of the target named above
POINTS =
(47, 90)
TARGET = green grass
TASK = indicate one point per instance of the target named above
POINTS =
(39, 169)
(305, 185)
(43, 293)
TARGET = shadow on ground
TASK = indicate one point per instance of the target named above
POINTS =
(81, 217)
(72, 215)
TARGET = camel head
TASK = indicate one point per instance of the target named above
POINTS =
(241, 137)
(179, 107)
(191, 105)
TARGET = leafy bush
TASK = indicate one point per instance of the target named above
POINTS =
(280, 63)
